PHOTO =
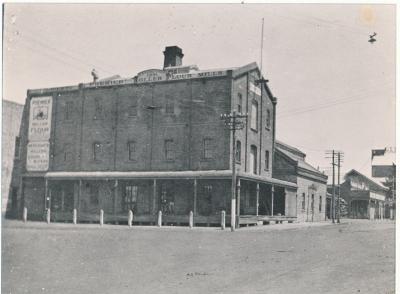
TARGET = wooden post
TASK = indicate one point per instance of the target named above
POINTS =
(115, 200)
(195, 197)
(130, 218)
(154, 195)
(74, 216)
(257, 197)
(223, 220)
(101, 217)
(272, 199)
(48, 215)
(25, 215)
(238, 204)
(62, 199)
(191, 219)
(159, 220)
(46, 194)
(79, 196)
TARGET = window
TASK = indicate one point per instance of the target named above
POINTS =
(205, 203)
(320, 204)
(94, 194)
(67, 152)
(169, 106)
(268, 120)
(303, 201)
(169, 149)
(253, 159)
(98, 108)
(17, 146)
(254, 116)
(240, 101)
(132, 111)
(97, 150)
(132, 150)
(238, 151)
(167, 199)
(69, 108)
(312, 203)
(267, 160)
(207, 148)
(130, 198)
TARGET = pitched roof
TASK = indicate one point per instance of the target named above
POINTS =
(289, 148)
(374, 183)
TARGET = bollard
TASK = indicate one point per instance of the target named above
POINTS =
(25, 215)
(191, 219)
(159, 221)
(223, 220)
(74, 216)
(48, 215)
(101, 217)
(130, 218)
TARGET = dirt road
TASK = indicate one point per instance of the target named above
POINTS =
(353, 257)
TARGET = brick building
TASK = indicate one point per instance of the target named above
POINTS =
(290, 165)
(11, 121)
(154, 142)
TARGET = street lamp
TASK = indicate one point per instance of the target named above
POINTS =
(233, 121)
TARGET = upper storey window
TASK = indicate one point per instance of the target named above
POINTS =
(207, 148)
(133, 109)
(268, 120)
(98, 108)
(169, 149)
(254, 116)
(169, 106)
(97, 150)
(240, 103)
(69, 108)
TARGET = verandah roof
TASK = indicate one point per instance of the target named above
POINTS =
(210, 174)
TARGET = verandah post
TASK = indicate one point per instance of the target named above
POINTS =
(257, 197)
(272, 199)
(238, 204)
(48, 215)
(223, 220)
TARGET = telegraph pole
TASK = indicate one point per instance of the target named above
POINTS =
(333, 188)
(233, 122)
(339, 154)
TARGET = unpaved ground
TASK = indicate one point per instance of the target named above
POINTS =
(353, 257)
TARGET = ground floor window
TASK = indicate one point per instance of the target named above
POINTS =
(320, 203)
(205, 200)
(303, 201)
(167, 199)
(130, 198)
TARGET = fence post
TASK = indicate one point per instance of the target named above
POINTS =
(191, 219)
(159, 220)
(48, 215)
(101, 217)
(130, 218)
(223, 220)
(25, 215)
(74, 216)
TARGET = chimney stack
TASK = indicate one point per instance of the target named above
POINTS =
(172, 56)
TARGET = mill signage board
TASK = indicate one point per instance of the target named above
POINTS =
(37, 158)
(40, 118)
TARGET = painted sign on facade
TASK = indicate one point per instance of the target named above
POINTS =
(40, 118)
(37, 158)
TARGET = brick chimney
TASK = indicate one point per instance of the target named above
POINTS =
(172, 56)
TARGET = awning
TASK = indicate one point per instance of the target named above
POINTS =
(209, 174)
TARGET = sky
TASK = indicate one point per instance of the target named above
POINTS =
(335, 90)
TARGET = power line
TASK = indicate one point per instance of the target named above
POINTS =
(328, 105)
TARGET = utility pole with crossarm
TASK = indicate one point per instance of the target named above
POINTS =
(234, 122)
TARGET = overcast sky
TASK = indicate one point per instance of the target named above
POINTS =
(335, 90)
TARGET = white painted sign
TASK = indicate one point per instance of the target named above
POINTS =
(377, 196)
(37, 158)
(151, 75)
(253, 88)
(40, 118)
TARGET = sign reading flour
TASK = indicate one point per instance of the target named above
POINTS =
(40, 118)
(37, 158)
